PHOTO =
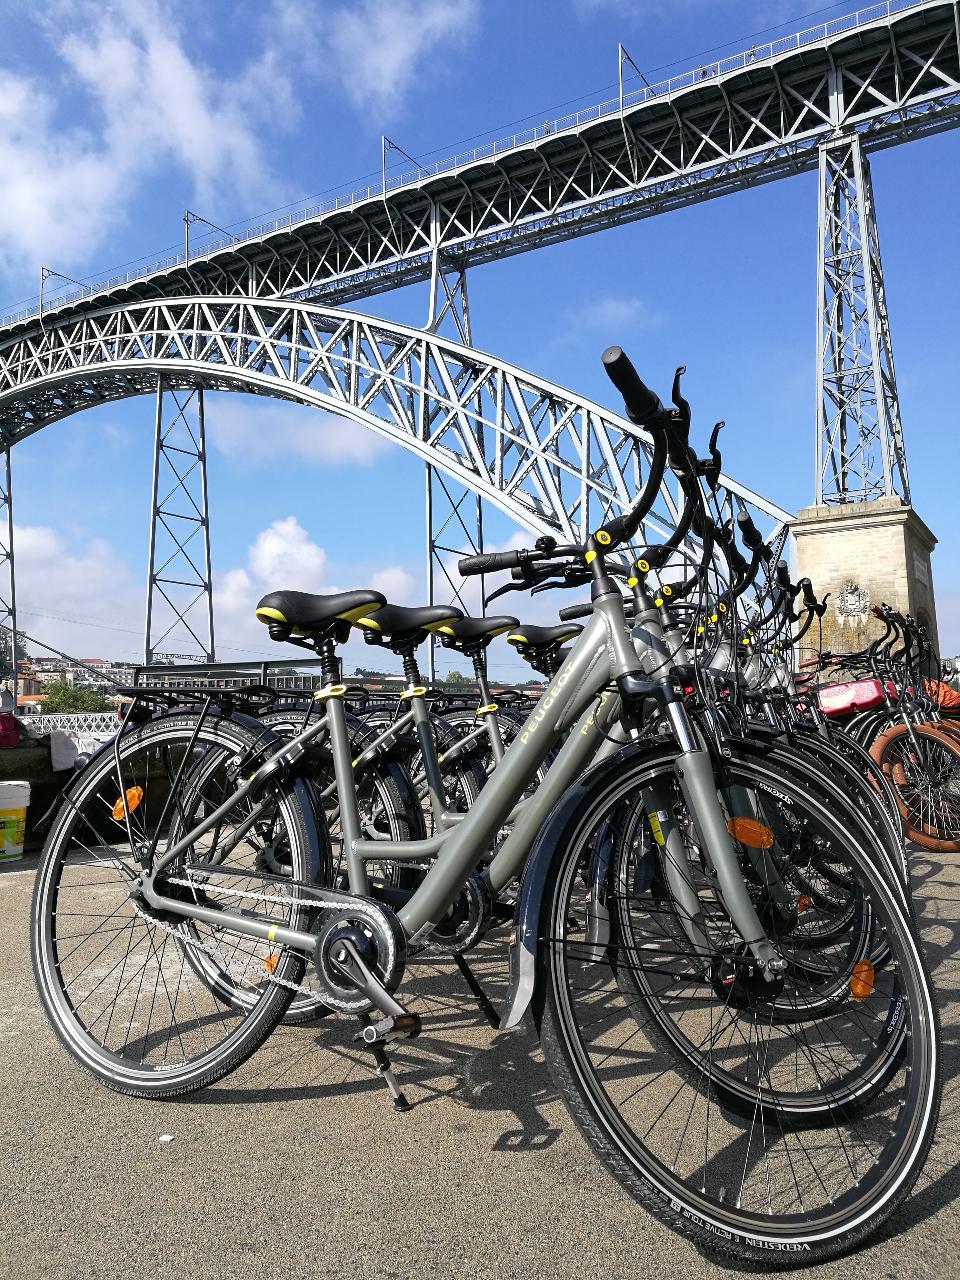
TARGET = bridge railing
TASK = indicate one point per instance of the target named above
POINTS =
(78, 724)
(252, 231)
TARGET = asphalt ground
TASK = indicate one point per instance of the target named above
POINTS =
(296, 1166)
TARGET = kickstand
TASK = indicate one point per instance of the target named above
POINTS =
(384, 1069)
(470, 978)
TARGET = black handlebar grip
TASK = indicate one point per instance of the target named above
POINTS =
(782, 575)
(573, 611)
(489, 563)
(642, 404)
(809, 599)
(751, 535)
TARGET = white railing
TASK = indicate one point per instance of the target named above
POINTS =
(253, 231)
(78, 724)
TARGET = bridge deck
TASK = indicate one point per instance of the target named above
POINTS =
(891, 72)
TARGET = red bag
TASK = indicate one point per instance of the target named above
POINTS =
(9, 733)
(852, 695)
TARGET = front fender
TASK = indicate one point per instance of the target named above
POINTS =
(529, 922)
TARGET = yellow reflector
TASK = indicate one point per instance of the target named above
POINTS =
(750, 832)
(271, 961)
(861, 980)
(134, 796)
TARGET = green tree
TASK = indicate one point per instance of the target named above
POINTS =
(6, 651)
(60, 697)
(454, 677)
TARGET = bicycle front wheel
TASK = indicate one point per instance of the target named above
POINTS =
(829, 1123)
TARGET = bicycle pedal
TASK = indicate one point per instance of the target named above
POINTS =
(404, 1026)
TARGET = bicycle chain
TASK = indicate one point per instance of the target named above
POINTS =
(179, 930)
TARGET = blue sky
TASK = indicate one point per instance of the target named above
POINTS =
(114, 119)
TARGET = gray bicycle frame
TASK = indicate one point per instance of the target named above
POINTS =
(603, 652)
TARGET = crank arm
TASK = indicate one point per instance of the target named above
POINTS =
(349, 964)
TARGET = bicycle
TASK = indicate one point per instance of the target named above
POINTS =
(692, 963)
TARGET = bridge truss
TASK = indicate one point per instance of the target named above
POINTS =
(554, 462)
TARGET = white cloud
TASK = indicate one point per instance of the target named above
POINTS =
(379, 50)
(607, 318)
(255, 432)
(948, 622)
(284, 555)
(150, 105)
(77, 595)
(611, 312)
(84, 598)
(147, 105)
(396, 583)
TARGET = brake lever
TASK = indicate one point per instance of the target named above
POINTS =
(709, 468)
(682, 405)
(571, 576)
(500, 591)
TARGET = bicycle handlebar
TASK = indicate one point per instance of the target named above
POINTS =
(642, 404)
(493, 562)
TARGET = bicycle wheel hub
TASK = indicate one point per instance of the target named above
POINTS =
(740, 982)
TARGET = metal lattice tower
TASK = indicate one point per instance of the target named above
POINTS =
(860, 452)
(8, 577)
(454, 513)
(179, 584)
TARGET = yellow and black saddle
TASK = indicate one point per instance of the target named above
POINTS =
(542, 637)
(299, 613)
(471, 634)
(396, 624)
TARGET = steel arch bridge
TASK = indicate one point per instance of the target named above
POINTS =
(548, 458)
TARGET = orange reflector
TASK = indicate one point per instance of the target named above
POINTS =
(804, 903)
(750, 832)
(861, 980)
(271, 961)
(134, 796)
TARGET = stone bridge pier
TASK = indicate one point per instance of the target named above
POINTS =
(865, 553)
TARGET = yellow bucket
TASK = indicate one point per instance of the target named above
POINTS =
(14, 803)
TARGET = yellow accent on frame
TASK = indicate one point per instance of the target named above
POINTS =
(590, 557)
(330, 691)
(603, 537)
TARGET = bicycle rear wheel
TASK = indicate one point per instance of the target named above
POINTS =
(150, 1003)
(827, 1127)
